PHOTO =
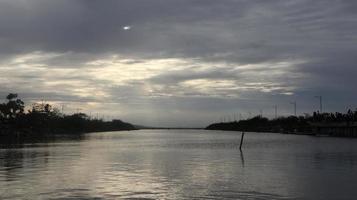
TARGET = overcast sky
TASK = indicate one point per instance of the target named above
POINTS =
(180, 62)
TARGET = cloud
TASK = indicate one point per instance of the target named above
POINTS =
(181, 51)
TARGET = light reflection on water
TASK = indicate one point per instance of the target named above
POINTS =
(181, 164)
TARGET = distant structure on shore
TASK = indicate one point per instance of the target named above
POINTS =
(340, 129)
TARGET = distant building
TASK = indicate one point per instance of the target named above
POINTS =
(336, 129)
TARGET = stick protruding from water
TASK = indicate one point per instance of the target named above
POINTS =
(241, 141)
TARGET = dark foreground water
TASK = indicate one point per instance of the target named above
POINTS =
(181, 164)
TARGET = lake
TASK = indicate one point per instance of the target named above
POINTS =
(181, 164)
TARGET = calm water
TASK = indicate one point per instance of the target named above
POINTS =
(181, 164)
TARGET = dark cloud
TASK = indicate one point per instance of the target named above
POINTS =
(242, 31)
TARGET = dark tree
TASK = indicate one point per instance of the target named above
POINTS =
(13, 108)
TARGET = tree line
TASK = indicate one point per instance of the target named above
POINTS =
(43, 119)
(290, 124)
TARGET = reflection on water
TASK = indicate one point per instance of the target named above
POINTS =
(181, 164)
(242, 157)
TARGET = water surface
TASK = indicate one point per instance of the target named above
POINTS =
(181, 164)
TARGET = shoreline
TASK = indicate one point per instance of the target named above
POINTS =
(16, 136)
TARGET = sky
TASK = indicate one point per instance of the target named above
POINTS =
(180, 63)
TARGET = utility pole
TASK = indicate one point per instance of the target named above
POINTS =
(320, 98)
(62, 108)
(261, 112)
(276, 111)
(294, 103)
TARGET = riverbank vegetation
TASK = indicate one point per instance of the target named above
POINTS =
(307, 124)
(44, 120)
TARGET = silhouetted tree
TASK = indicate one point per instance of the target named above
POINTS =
(12, 108)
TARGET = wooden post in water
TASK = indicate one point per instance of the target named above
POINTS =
(241, 141)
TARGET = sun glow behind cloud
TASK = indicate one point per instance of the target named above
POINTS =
(122, 81)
